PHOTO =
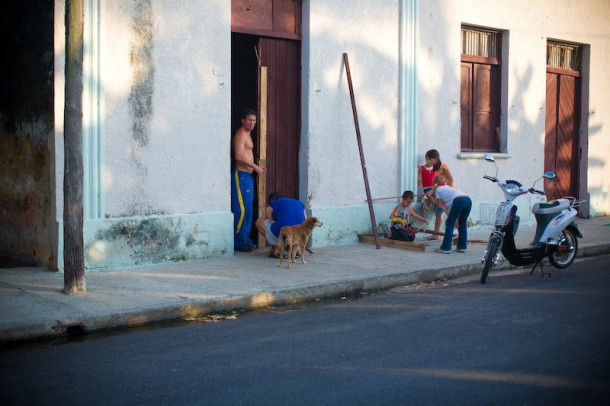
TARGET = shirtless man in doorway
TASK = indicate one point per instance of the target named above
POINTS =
(242, 183)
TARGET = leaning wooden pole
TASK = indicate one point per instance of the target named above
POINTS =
(366, 178)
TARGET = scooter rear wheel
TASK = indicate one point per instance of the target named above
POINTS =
(491, 253)
(564, 255)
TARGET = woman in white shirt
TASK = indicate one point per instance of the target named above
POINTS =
(456, 206)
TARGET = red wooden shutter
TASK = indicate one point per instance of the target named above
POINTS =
(485, 108)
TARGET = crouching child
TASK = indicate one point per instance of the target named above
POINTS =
(400, 228)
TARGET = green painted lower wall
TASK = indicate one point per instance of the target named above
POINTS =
(133, 241)
(125, 242)
(342, 224)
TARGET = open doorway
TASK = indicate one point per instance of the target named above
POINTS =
(244, 77)
(281, 59)
(244, 92)
(266, 40)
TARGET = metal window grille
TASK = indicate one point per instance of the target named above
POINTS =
(562, 56)
(480, 42)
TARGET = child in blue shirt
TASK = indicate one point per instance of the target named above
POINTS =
(399, 217)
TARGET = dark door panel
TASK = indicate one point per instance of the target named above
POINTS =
(466, 105)
(561, 140)
(282, 59)
(480, 107)
(486, 111)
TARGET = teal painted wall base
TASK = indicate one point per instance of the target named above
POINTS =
(342, 224)
(126, 242)
(133, 241)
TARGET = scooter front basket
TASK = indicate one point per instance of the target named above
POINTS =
(494, 214)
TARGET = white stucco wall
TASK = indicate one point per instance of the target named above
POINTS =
(177, 63)
(167, 94)
(165, 140)
(528, 26)
(337, 27)
(368, 32)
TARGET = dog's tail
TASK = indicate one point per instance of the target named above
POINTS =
(280, 240)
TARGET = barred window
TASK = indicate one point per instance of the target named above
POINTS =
(480, 42)
(562, 56)
(481, 90)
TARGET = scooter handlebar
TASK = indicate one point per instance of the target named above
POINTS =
(535, 191)
(491, 178)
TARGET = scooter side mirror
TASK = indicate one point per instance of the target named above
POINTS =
(547, 175)
(490, 158)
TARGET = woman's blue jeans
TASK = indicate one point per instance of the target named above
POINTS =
(460, 209)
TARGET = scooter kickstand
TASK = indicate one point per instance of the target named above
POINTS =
(541, 269)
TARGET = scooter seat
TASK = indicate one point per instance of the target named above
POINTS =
(554, 206)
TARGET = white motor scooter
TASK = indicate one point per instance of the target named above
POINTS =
(556, 231)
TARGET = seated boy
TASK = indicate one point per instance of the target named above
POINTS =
(399, 218)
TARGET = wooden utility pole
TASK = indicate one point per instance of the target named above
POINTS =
(74, 259)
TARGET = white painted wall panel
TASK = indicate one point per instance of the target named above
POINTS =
(368, 32)
(167, 88)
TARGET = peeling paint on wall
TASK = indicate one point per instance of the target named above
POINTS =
(148, 241)
(141, 240)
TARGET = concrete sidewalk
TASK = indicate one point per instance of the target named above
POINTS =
(32, 305)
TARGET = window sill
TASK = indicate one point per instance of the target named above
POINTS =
(481, 155)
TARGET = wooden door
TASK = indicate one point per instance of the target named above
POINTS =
(486, 117)
(480, 107)
(282, 58)
(561, 140)
(277, 26)
(466, 106)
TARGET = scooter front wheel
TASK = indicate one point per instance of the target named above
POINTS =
(566, 250)
(491, 253)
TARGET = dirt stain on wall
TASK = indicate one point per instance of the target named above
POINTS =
(149, 241)
(141, 99)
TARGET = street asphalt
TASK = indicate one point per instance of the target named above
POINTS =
(33, 307)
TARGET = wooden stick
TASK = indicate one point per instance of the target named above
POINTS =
(435, 232)
(413, 246)
(395, 197)
(366, 179)
(262, 149)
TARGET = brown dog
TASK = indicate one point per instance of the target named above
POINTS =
(296, 237)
